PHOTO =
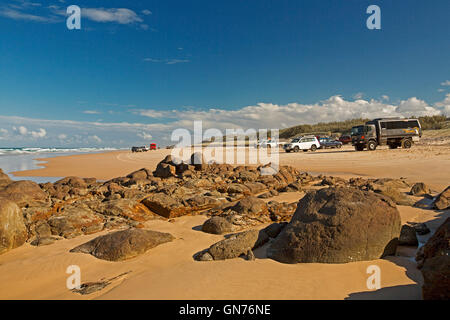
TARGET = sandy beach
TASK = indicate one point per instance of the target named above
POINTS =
(169, 271)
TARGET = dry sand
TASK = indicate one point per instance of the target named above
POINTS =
(169, 271)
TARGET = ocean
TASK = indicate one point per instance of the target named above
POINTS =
(20, 159)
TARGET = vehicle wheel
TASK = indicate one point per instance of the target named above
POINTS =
(313, 148)
(288, 151)
(372, 145)
(359, 147)
(339, 146)
(406, 144)
(296, 149)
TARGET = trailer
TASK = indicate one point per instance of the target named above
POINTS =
(394, 132)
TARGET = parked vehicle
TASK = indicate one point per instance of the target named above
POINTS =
(345, 139)
(394, 132)
(329, 143)
(153, 146)
(267, 144)
(303, 143)
(139, 149)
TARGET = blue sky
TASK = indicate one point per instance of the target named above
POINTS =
(137, 70)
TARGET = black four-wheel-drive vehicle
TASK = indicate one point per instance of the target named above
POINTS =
(394, 132)
(329, 143)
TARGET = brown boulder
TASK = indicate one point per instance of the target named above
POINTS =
(129, 209)
(419, 189)
(4, 179)
(442, 201)
(24, 193)
(75, 220)
(165, 205)
(234, 246)
(338, 225)
(217, 225)
(434, 261)
(13, 232)
(123, 245)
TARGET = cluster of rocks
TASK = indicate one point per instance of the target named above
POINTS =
(73, 206)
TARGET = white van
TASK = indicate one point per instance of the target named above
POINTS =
(303, 143)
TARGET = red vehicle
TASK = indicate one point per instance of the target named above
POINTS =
(152, 146)
(345, 139)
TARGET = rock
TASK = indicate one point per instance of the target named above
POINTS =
(421, 229)
(75, 220)
(4, 179)
(13, 232)
(442, 201)
(434, 262)
(91, 287)
(250, 256)
(237, 245)
(43, 241)
(217, 225)
(73, 182)
(126, 208)
(165, 205)
(397, 196)
(251, 206)
(274, 229)
(24, 193)
(198, 161)
(338, 225)
(141, 174)
(419, 189)
(123, 245)
(408, 236)
(164, 170)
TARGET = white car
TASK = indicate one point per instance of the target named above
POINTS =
(267, 144)
(303, 143)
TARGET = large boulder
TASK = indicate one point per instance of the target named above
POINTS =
(419, 189)
(24, 193)
(339, 225)
(75, 220)
(234, 246)
(4, 179)
(165, 205)
(408, 236)
(442, 201)
(123, 245)
(217, 225)
(13, 232)
(126, 208)
(434, 261)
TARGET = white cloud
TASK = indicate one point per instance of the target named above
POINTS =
(117, 15)
(18, 15)
(146, 12)
(385, 97)
(440, 90)
(91, 112)
(145, 136)
(62, 136)
(358, 95)
(167, 61)
(41, 133)
(445, 83)
(96, 138)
